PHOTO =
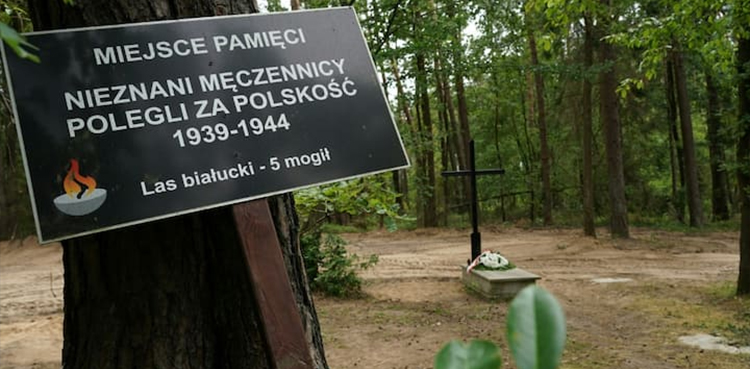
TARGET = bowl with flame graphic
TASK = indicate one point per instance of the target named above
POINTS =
(76, 200)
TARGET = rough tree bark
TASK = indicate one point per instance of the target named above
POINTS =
(174, 293)
(695, 205)
(675, 146)
(719, 195)
(608, 112)
(743, 155)
(588, 132)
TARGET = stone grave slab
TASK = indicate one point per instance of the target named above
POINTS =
(498, 284)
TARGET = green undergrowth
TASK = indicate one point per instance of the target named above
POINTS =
(669, 224)
(330, 268)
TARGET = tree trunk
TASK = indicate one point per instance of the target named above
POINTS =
(464, 133)
(719, 196)
(695, 206)
(428, 153)
(743, 158)
(530, 182)
(445, 150)
(675, 146)
(175, 293)
(608, 112)
(403, 105)
(542, 124)
(462, 130)
(588, 133)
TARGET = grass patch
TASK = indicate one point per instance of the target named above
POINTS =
(583, 355)
(710, 308)
(737, 330)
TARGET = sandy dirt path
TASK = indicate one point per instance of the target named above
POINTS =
(415, 302)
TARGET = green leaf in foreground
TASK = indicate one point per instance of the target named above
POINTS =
(536, 329)
(476, 355)
(17, 42)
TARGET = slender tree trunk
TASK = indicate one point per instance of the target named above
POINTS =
(174, 293)
(403, 104)
(395, 176)
(446, 152)
(420, 179)
(523, 150)
(294, 4)
(498, 152)
(428, 160)
(542, 124)
(588, 132)
(675, 145)
(530, 182)
(695, 206)
(463, 132)
(743, 157)
(608, 112)
(719, 196)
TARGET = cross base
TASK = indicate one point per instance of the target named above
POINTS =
(476, 245)
(498, 284)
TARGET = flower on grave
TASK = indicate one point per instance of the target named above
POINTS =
(490, 260)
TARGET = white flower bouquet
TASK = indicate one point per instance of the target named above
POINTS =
(490, 260)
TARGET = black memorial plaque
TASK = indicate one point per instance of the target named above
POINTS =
(126, 124)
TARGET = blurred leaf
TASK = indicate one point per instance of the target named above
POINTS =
(536, 329)
(17, 42)
(476, 355)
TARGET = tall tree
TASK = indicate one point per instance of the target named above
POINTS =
(426, 152)
(541, 121)
(719, 185)
(401, 176)
(463, 132)
(610, 116)
(174, 293)
(588, 131)
(742, 8)
(695, 205)
(677, 162)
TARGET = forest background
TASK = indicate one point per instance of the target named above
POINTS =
(602, 112)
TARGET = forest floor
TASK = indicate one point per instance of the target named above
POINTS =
(671, 285)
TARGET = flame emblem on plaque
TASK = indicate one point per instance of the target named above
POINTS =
(81, 195)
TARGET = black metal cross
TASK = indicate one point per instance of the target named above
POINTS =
(476, 237)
